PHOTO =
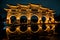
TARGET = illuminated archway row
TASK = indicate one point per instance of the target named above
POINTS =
(28, 11)
(32, 18)
(33, 29)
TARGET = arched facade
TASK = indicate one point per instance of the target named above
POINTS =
(29, 11)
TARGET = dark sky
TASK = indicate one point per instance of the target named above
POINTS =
(53, 4)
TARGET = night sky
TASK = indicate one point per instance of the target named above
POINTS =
(52, 4)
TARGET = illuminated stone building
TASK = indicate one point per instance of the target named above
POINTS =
(29, 19)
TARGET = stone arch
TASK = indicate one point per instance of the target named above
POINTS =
(13, 19)
(34, 18)
(23, 19)
(43, 19)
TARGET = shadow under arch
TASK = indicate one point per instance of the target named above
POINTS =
(23, 19)
(34, 19)
(13, 19)
(43, 19)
